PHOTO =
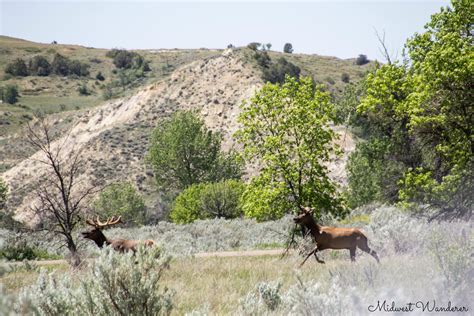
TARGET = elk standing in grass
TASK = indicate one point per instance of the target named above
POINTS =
(122, 245)
(327, 237)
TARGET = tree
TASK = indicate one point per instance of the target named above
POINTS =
(17, 68)
(10, 94)
(121, 199)
(60, 65)
(286, 129)
(184, 152)
(288, 48)
(361, 60)
(39, 66)
(208, 200)
(61, 198)
(423, 106)
(254, 45)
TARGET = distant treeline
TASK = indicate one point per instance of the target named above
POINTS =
(40, 66)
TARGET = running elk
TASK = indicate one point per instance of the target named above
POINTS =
(122, 245)
(327, 237)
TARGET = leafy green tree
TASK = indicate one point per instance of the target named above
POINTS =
(286, 129)
(121, 199)
(39, 66)
(424, 107)
(10, 94)
(288, 48)
(78, 68)
(208, 200)
(17, 68)
(254, 45)
(184, 152)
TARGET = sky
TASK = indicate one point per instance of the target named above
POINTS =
(333, 28)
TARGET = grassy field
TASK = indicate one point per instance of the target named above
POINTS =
(420, 261)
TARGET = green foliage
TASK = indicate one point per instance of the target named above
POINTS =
(17, 68)
(39, 66)
(60, 65)
(361, 60)
(64, 66)
(254, 45)
(10, 94)
(277, 71)
(19, 251)
(3, 193)
(208, 200)
(116, 284)
(83, 90)
(286, 129)
(424, 108)
(184, 152)
(124, 59)
(345, 77)
(100, 76)
(121, 199)
(288, 48)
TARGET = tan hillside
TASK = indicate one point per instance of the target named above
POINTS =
(114, 136)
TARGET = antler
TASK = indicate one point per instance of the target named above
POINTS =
(98, 224)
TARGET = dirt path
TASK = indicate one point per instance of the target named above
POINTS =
(221, 254)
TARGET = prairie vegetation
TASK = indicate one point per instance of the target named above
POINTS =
(419, 261)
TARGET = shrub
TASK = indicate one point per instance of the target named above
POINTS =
(83, 90)
(39, 66)
(17, 68)
(20, 250)
(345, 77)
(117, 284)
(278, 70)
(254, 45)
(265, 298)
(124, 59)
(78, 68)
(121, 199)
(10, 94)
(208, 200)
(288, 48)
(361, 60)
(60, 65)
(99, 76)
(3, 193)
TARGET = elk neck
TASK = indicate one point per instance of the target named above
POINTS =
(100, 239)
(313, 227)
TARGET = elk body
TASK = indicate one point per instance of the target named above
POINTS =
(327, 237)
(121, 245)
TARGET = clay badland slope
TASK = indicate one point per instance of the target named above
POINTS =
(114, 137)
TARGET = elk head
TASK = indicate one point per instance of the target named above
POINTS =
(96, 234)
(305, 217)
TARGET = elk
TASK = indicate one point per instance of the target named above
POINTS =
(121, 245)
(327, 237)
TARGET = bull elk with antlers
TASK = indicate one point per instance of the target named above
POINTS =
(327, 237)
(122, 245)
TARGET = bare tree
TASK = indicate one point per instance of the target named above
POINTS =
(383, 47)
(61, 196)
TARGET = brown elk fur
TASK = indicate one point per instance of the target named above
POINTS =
(327, 237)
(121, 245)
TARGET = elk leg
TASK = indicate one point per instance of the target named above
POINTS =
(366, 248)
(353, 254)
(311, 253)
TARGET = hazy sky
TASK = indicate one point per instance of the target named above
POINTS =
(338, 28)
